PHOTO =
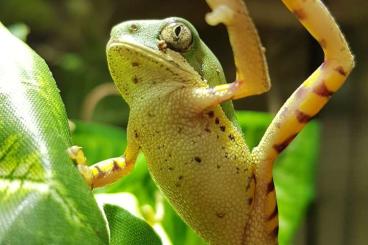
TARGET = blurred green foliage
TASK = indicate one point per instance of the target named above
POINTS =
(69, 36)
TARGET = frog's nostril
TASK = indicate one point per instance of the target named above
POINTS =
(133, 28)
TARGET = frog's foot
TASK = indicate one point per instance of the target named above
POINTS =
(220, 14)
(77, 155)
(101, 173)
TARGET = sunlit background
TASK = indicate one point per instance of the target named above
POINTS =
(71, 36)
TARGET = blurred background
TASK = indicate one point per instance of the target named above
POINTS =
(71, 35)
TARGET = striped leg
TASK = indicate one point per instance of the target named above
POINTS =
(106, 171)
(315, 92)
(308, 99)
(252, 72)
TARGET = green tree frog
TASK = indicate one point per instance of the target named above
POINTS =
(181, 116)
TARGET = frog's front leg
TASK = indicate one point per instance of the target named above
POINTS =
(251, 67)
(106, 171)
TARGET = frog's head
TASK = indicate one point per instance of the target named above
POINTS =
(167, 52)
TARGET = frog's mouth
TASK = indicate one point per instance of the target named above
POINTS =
(167, 58)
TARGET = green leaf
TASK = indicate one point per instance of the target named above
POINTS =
(43, 199)
(128, 229)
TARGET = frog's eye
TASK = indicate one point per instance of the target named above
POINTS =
(177, 36)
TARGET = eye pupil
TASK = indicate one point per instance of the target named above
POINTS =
(177, 31)
(177, 36)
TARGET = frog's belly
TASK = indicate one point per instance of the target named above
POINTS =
(205, 177)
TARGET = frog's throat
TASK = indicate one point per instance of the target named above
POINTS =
(167, 58)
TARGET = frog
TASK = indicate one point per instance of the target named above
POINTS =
(182, 118)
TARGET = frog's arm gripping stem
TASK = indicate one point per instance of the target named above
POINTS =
(314, 93)
(106, 171)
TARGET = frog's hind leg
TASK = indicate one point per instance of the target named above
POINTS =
(313, 94)
(104, 172)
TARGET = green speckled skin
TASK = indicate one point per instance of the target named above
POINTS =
(198, 158)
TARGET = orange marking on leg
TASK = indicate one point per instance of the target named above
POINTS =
(116, 166)
(270, 187)
(280, 147)
(274, 214)
(322, 90)
(302, 117)
(300, 14)
(341, 71)
(100, 172)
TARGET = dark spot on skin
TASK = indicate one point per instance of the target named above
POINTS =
(237, 170)
(322, 90)
(217, 121)
(251, 179)
(211, 114)
(171, 168)
(180, 129)
(300, 14)
(150, 114)
(226, 155)
(223, 128)
(135, 80)
(302, 117)
(274, 213)
(218, 166)
(341, 71)
(136, 135)
(220, 215)
(250, 201)
(135, 64)
(180, 177)
(270, 187)
(231, 137)
(198, 159)
(280, 147)
(217, 136)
